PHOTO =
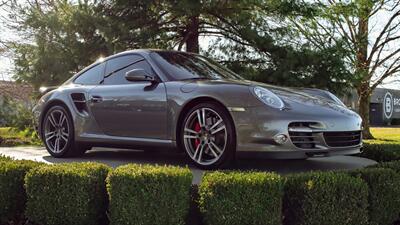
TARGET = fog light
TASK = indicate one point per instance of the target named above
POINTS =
(280, 138)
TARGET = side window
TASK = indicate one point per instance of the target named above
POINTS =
(93, 76)
(116, 68)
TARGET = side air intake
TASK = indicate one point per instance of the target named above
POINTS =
(79, 100)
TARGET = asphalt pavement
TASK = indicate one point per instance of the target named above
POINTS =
(117, 157)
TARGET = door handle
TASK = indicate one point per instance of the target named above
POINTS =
(96, 99)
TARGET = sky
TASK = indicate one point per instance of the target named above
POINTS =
(6, 62)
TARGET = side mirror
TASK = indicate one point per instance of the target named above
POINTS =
(137, 75)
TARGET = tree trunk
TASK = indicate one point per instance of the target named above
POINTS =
(363, 102)
(362, 69)
(192, 39)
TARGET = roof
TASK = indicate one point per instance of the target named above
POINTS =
(16, 91)
(144, 51)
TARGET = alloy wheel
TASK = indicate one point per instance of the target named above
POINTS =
(57, 131)
(205, 136)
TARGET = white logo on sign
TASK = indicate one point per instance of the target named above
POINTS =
(388, 105)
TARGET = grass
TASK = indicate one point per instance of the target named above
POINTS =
(388, 134)
(8, 132)
(10, 137)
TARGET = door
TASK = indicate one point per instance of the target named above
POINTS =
(129, 109)
(376, 114)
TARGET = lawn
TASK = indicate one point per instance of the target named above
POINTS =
(386, 133)
(7, 132)
(11, 137)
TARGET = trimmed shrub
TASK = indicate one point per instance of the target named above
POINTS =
(235, 198)
(5, 158)
(325, 198)
(394, 165)
(12, 192)
(381, 151)
(73, 193)
(148, 195)
(384, 192)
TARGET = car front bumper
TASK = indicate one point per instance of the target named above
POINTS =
(309, 133)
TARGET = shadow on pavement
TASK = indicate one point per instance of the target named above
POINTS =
(116, 158)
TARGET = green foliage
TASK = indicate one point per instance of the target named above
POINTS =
(65, 38)
(10, 137)
(325, 198)
(5, 158)
(144, 194)
(241, 198)
(69, 35)
(384, 192)
(12, 192)
(62, 194)
(381, 151)
(16, 114)
(394, 165)
(300, 68)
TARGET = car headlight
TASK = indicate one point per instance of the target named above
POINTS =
(268, 97)
(335, 99)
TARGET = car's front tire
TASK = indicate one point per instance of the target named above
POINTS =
(208, 136)
(58, 133)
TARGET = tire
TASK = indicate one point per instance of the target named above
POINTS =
(209, 143)
(58, 134)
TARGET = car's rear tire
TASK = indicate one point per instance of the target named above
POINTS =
(208, 136)
(58, 133)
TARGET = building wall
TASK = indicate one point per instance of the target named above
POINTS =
(384, 105)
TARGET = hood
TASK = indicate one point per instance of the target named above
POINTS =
(288, 94)
(298, 98)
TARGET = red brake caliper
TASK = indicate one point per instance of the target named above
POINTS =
(197, 128)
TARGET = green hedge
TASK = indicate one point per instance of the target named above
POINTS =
(73, 193)
(325, 198)
(5, 158)
(394, 165)
(235, 198)
(381, 151)
(384, 192)
(148, 195)
(12, 192)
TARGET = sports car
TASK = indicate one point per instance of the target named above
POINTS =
(170, 100)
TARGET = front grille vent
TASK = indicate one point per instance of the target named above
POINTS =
(302, 135)
(342, 139)
(303, 140)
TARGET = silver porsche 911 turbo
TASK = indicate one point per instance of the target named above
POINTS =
(157, 99)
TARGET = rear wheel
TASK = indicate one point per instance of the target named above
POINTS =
(58, 133)
(208, 136)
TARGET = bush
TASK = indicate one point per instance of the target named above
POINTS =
(384, 192)
(143, 194)
(4, 158)
(241, 198)
(14, 113)
(394, 165)
(12, 192)
(328, 198)
(10, 137)
(381, 151)
(73, 193)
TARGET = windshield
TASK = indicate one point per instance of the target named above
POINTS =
(185, 66)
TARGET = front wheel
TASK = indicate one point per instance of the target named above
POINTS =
(208, 136)
(58, 133)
